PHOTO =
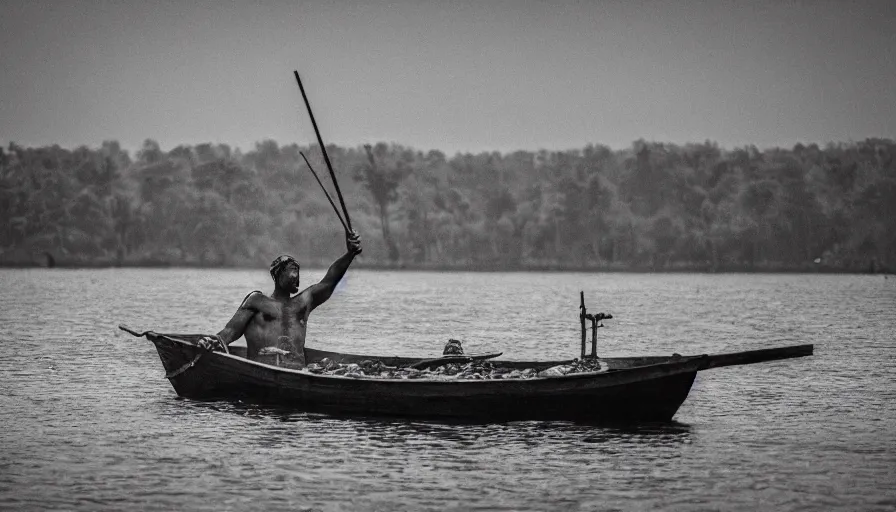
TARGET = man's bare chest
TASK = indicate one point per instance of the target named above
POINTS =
(293, 312)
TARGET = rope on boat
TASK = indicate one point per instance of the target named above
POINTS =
(182, 369)
(187, 366)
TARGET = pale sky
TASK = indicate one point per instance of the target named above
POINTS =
(455, 76)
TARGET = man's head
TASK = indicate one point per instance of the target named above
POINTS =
(285, 272)
(453, 348)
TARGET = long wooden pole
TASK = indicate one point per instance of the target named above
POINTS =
(323, 149)
(758, 356)
(330, 199)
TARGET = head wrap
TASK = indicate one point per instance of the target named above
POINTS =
(280, 262)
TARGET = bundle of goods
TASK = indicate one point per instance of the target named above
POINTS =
(472, 370)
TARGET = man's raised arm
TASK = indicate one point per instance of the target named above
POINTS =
(322, 291)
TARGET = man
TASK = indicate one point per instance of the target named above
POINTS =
(278, 323)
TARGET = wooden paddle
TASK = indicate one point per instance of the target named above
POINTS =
(441, 361)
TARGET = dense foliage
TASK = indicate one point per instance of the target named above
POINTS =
(650, 206)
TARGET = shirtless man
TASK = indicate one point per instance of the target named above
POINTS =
(280, 321)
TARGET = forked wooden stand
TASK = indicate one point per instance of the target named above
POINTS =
(595, 324)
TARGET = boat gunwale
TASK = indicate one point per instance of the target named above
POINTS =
(595, 375)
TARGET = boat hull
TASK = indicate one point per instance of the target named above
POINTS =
(650, 392)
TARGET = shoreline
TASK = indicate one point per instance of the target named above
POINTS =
(633, 269)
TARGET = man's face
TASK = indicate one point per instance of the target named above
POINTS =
(288, 278)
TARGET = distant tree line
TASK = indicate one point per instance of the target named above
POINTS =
(652, 206)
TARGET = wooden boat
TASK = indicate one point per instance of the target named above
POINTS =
(630, 388)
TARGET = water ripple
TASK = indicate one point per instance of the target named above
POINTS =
(91, 424)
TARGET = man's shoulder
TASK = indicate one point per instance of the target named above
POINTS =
(254, 297)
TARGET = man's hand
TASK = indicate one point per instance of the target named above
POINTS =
(353, 243)
(210, 342)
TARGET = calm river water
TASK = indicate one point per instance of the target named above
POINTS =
(88, 421)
